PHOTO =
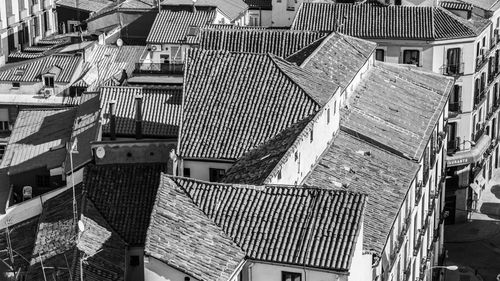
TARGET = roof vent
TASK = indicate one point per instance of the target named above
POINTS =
(349, 170)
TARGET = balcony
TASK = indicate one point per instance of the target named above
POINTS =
(418, 241)
(35, 8)
(453, 69)
(159, 68)
(432, 205)
(479, 97)
(24, 14)
(418, 192)
(11, 20)
(478, 134)
(453, 145)
(482, 59)
(455, 107)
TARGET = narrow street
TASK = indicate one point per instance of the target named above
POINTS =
(475, 246)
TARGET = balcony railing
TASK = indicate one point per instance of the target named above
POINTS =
(479, 97)
(453, 69)
(478, 134)
(482, 60)
(453, 144)
(159, 68)
(418, 241)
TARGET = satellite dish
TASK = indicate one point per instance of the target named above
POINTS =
(100, 152)
(119, 42)
(81, 226)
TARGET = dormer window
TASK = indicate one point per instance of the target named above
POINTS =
(48, 81)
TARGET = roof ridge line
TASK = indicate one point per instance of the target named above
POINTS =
(274, 58)
(316, 50)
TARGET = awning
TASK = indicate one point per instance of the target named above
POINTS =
(471, 156)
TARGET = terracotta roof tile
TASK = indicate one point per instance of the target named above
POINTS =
(183, 237)
(383, 22)
(31, 71)
(383, 176)
(397, 106)
(124, 194)
(161, 110)
(270, 223)
(172, 26)
(232, 9)
(225, 120)
(86, 5)
(338, 58)
(275, 41)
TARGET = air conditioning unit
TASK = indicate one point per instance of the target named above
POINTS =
(47, 92)
(155, 48)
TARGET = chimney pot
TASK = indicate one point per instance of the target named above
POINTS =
(138, 117)
(112, 119)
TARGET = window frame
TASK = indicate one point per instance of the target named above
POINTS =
(417, 51)
(48, 81)
(292, 275)
(215, 174)
(377, 51)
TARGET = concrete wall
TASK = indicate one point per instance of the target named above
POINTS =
(259, 271)
(303, 155)
(156, 270)
(281, 15)
(361, 264)
(200, 169)
(265, 17)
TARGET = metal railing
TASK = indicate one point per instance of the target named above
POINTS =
(481, 60)
(478, 134)
(453, 69)
(159, 68)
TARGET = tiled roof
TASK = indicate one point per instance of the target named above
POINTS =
(261, 96)
(21, 236)
(124, 194)
(383, 22)
(38, 139)
(161, 110)
(182, 236)
(488, 5)
(255, 166)
(85, 130)
(58, 241)
(30, 71)
(86, 5)
(24, 56)
(312, 227)
(456, 5)
(338, 58)
(106, 62)
(233, 9)
(397, 106)
(275, 41)
(126, 5)
(383, 176)
(173, 25)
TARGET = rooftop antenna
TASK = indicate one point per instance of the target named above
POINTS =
(73, 150)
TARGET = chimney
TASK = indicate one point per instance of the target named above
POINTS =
(112, 119)
(138, 117)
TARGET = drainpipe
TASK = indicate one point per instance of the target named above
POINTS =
(138, 117)
(112, 119)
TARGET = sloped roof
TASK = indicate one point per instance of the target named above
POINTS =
(106, 62)
(125, 5)
(271, 223)
(172, 25)
(261, 96)
(85, 5)
(161, 110)
(38, 139)
(260, 4)
(182, 236)
(85, 129)
(124, 194)
(385, 177)
(338, 58)
(21, 237)
(58, 241)
(275, 41)
(488, 5)
(383, 22)
(30, 71)
(397, 106)
(456, 5)
(255, 166)
(232, 9)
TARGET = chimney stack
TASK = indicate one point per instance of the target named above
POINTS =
(112, 119)
(138, 117)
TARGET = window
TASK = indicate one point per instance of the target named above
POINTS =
(164, 58)
(46, 20)
(484, 41)
(279, 174)
(254, 20)
(4, 126)
(296, 156)
(328, 116)
(411, 57)
(478, 49)
(334, 107)
(36, 26)
(2, 151)
(216, 174)
(291, 276)
(380, 55)
(176, 54)
(187, 172)
(311, 136)
(16, 85)
(134, 261)
(43, 181)
(9, 8)
(290, 5)
(48, 81)
(21, 5)
(453, 58)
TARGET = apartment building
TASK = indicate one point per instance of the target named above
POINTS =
(23, 23)
(449, 40)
